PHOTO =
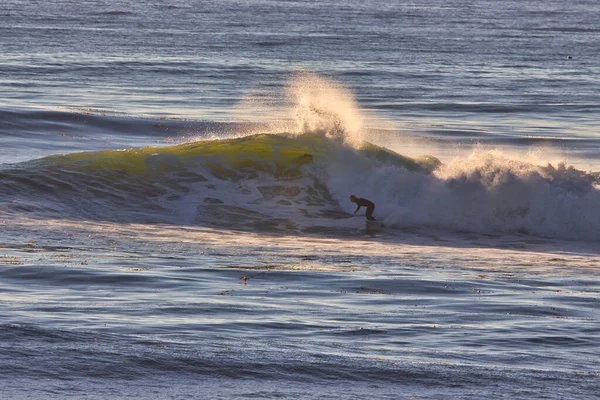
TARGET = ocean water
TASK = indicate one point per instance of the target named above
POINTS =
(175, 218)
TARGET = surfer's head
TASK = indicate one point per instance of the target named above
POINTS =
(352, 198)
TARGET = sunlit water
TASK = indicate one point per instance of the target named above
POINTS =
(171, 311)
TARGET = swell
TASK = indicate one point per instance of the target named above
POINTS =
(79, 122)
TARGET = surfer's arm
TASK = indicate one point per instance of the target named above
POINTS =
(357, 208)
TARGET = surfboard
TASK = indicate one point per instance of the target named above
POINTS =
(374, 224)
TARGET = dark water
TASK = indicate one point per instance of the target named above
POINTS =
(174, 213)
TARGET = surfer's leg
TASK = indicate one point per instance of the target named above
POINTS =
(369, 213)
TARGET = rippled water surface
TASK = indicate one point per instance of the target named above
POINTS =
(173, 311)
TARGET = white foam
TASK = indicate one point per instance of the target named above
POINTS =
(486, 192)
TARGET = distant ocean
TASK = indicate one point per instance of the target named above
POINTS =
(175, 219)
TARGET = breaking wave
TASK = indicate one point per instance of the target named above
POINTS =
(299, 176)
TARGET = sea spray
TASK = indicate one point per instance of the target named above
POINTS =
(325, 107)
(308, 104)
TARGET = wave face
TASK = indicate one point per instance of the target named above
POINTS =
(258, 181)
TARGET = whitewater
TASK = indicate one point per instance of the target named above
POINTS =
(175, 214)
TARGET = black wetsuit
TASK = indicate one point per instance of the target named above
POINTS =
(365, 203)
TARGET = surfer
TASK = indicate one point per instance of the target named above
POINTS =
(364, 203)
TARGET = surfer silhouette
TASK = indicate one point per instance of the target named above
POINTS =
(364, 203)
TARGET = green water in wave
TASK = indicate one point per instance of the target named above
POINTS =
(240, 158)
